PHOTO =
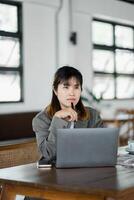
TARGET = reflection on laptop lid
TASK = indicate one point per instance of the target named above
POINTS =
(86, 147)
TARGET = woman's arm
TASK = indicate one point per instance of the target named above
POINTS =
(44, 129)
(95, 119)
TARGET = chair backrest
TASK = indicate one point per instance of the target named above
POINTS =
(16, 125)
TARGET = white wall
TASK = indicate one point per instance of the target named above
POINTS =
(46, 29)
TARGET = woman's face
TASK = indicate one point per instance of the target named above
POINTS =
(68, 92)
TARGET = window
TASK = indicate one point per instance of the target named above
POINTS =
(113, 60)
(10, 52)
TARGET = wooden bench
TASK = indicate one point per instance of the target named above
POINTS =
(18, 152)
(17, 139)
(16, 125)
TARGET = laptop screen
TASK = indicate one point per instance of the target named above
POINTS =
(86, 147)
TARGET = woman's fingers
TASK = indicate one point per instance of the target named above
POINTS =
(72, 115)
(68, 114)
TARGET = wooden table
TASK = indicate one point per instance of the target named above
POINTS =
(105, 183)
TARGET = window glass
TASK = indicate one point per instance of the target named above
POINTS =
(11, 62)
(125, 87)
(9, 52)
(103, 87)
(124, 36)
(113, 60)
(102, 33)
(9, 87)
(8, 18)
(124, 62)
(103, 60)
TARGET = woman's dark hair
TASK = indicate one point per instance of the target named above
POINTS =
(63, 74)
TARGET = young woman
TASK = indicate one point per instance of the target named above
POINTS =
(65, 110)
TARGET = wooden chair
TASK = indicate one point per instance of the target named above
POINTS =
(124, 119)
(130, 116)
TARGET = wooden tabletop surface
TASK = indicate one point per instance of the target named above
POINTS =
(108, 180)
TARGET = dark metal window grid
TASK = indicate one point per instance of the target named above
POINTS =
(113, 49)
(18, 35)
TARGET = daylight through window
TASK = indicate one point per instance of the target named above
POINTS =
(10, 52)
(113, 60)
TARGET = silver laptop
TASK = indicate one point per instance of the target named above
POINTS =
(86, 147)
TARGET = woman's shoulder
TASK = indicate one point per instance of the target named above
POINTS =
(95, 119)
(92, 111)
(41, 117)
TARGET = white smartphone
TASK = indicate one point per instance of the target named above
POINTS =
(43, 163)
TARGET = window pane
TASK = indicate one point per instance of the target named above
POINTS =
(9, 87)
(103, 61)
(124, 62)
(9, 52)
(102, 33)
(8, 18)
(125, 87)
(124, 37)
(103, 86)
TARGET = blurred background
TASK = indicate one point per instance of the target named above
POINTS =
(39, 36)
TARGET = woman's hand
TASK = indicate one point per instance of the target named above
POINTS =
(68, 114)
